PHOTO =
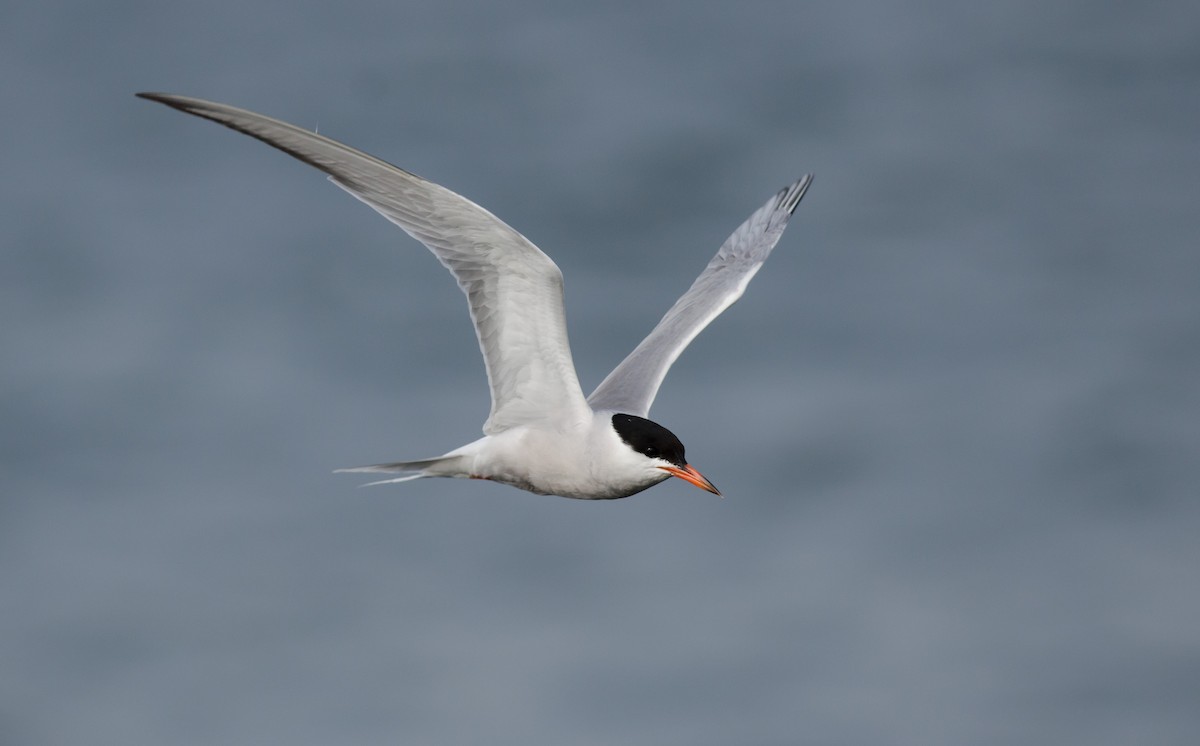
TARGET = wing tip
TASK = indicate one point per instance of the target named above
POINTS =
(170, 99)
(789, 197)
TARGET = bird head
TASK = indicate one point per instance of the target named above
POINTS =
(659, 448)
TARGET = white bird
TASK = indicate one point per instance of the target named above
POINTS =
(542, 434)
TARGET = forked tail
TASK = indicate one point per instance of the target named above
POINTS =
(409, 470)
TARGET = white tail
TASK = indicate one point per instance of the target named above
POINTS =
(442, 466)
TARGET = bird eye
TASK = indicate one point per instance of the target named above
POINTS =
(651, 451)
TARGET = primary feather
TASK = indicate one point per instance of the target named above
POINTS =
(632, 385)
(513, 289)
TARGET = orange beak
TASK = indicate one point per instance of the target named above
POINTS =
(688, 474)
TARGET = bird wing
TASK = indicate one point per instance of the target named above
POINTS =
(513, 289)
(632, 385)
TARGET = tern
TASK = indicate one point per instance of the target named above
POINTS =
(542, 435)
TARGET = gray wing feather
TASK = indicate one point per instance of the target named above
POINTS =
(513, 289)
(632, 385)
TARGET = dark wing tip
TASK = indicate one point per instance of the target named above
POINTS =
(182, 103)
(162, 98)
(789, 197)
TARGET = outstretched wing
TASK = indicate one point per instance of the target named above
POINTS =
(514, 290)
(632, 385)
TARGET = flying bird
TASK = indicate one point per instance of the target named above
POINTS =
(542, 435)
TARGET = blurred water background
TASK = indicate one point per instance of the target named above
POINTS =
(957, 419)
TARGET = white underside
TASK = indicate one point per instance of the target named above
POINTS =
(587, 461)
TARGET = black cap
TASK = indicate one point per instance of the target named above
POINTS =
(649, 438)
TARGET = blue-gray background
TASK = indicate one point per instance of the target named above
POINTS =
(957, 418)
